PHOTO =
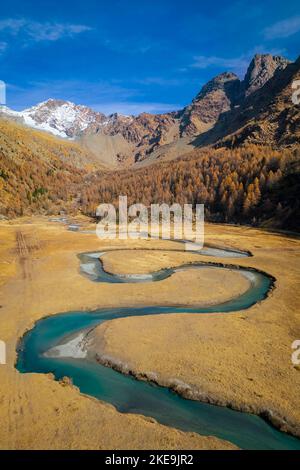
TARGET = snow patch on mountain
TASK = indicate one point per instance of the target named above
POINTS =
(61, 118)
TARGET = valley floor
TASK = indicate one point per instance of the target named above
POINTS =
(240, 359)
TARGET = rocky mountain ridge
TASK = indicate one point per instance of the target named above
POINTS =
(222, 107)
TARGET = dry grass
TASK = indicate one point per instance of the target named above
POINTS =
(241, 359)
(35, 411)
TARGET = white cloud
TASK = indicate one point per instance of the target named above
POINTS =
(238, 64)
(12, 25)
(203, 62)
(53, 32)
(159, 81)
(283, 29)
(127, 107)
(36, 31)
(130, 45)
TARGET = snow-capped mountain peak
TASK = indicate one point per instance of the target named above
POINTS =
(62, 118)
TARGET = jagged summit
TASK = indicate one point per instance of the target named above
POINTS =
(214, 98)
(262, 67)
(63, 118)
(220, 82)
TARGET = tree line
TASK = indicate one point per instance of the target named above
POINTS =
(243, 185)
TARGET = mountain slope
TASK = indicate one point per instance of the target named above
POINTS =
(261, 69)
(251, 184)
(268, 116)
(39, 173)
(215, 98)
(61, 118)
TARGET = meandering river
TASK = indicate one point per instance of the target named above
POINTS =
(132, 396)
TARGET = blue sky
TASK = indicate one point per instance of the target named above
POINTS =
(131, 56)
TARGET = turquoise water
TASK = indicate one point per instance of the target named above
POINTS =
(129, 395)
(91, 268)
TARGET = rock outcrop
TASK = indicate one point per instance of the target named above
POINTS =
(215, 98)
(261, 69)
